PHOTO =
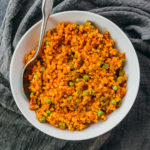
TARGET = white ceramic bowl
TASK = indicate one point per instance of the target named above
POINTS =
(29, 41)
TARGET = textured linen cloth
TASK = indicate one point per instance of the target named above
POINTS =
(133, 133)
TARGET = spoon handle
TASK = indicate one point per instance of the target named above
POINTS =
(46, 10)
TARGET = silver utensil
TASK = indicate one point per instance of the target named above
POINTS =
(46, 10)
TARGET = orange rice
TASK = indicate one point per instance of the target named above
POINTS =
(79, 77)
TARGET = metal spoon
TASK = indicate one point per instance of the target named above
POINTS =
(46, 10)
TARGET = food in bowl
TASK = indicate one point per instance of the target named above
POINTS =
(79, 77)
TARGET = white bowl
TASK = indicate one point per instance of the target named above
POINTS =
(29, 41)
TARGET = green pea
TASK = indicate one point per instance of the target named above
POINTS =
(115, 87)
(48, 112)
(42, 119)
(61, 124)
(70, 99)
(78, 79)
(46, 43)
(92, 27)
(99, 113)
(113, 102)
(48, 101)
(71, 83)
(120, 73)
(77, 101)
(35, 76)
(86, 77)
(106, 66)
(93, 92)
(87, 23)
(86, 93)
(100, 50)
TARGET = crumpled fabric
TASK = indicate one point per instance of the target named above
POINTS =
(133, 133)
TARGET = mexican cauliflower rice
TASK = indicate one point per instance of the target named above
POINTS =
(79, 77)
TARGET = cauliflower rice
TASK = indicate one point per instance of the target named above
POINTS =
(78, 79)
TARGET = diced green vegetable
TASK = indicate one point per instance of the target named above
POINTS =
(71, 83)
(48, 101)
(100, 50)
(77, 101)
(99, 113)
(92, 27)
(46, 43)
(106, 66)
(42, 119)
(70, 99)
(86, 77)
(78, 79)
(61, 124)
(113, 102)
(115, 87)
(48, 112)
(87, 23)
(35, 76)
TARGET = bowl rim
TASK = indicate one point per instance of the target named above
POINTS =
(97, 133)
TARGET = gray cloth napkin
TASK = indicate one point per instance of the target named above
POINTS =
(133, 133)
